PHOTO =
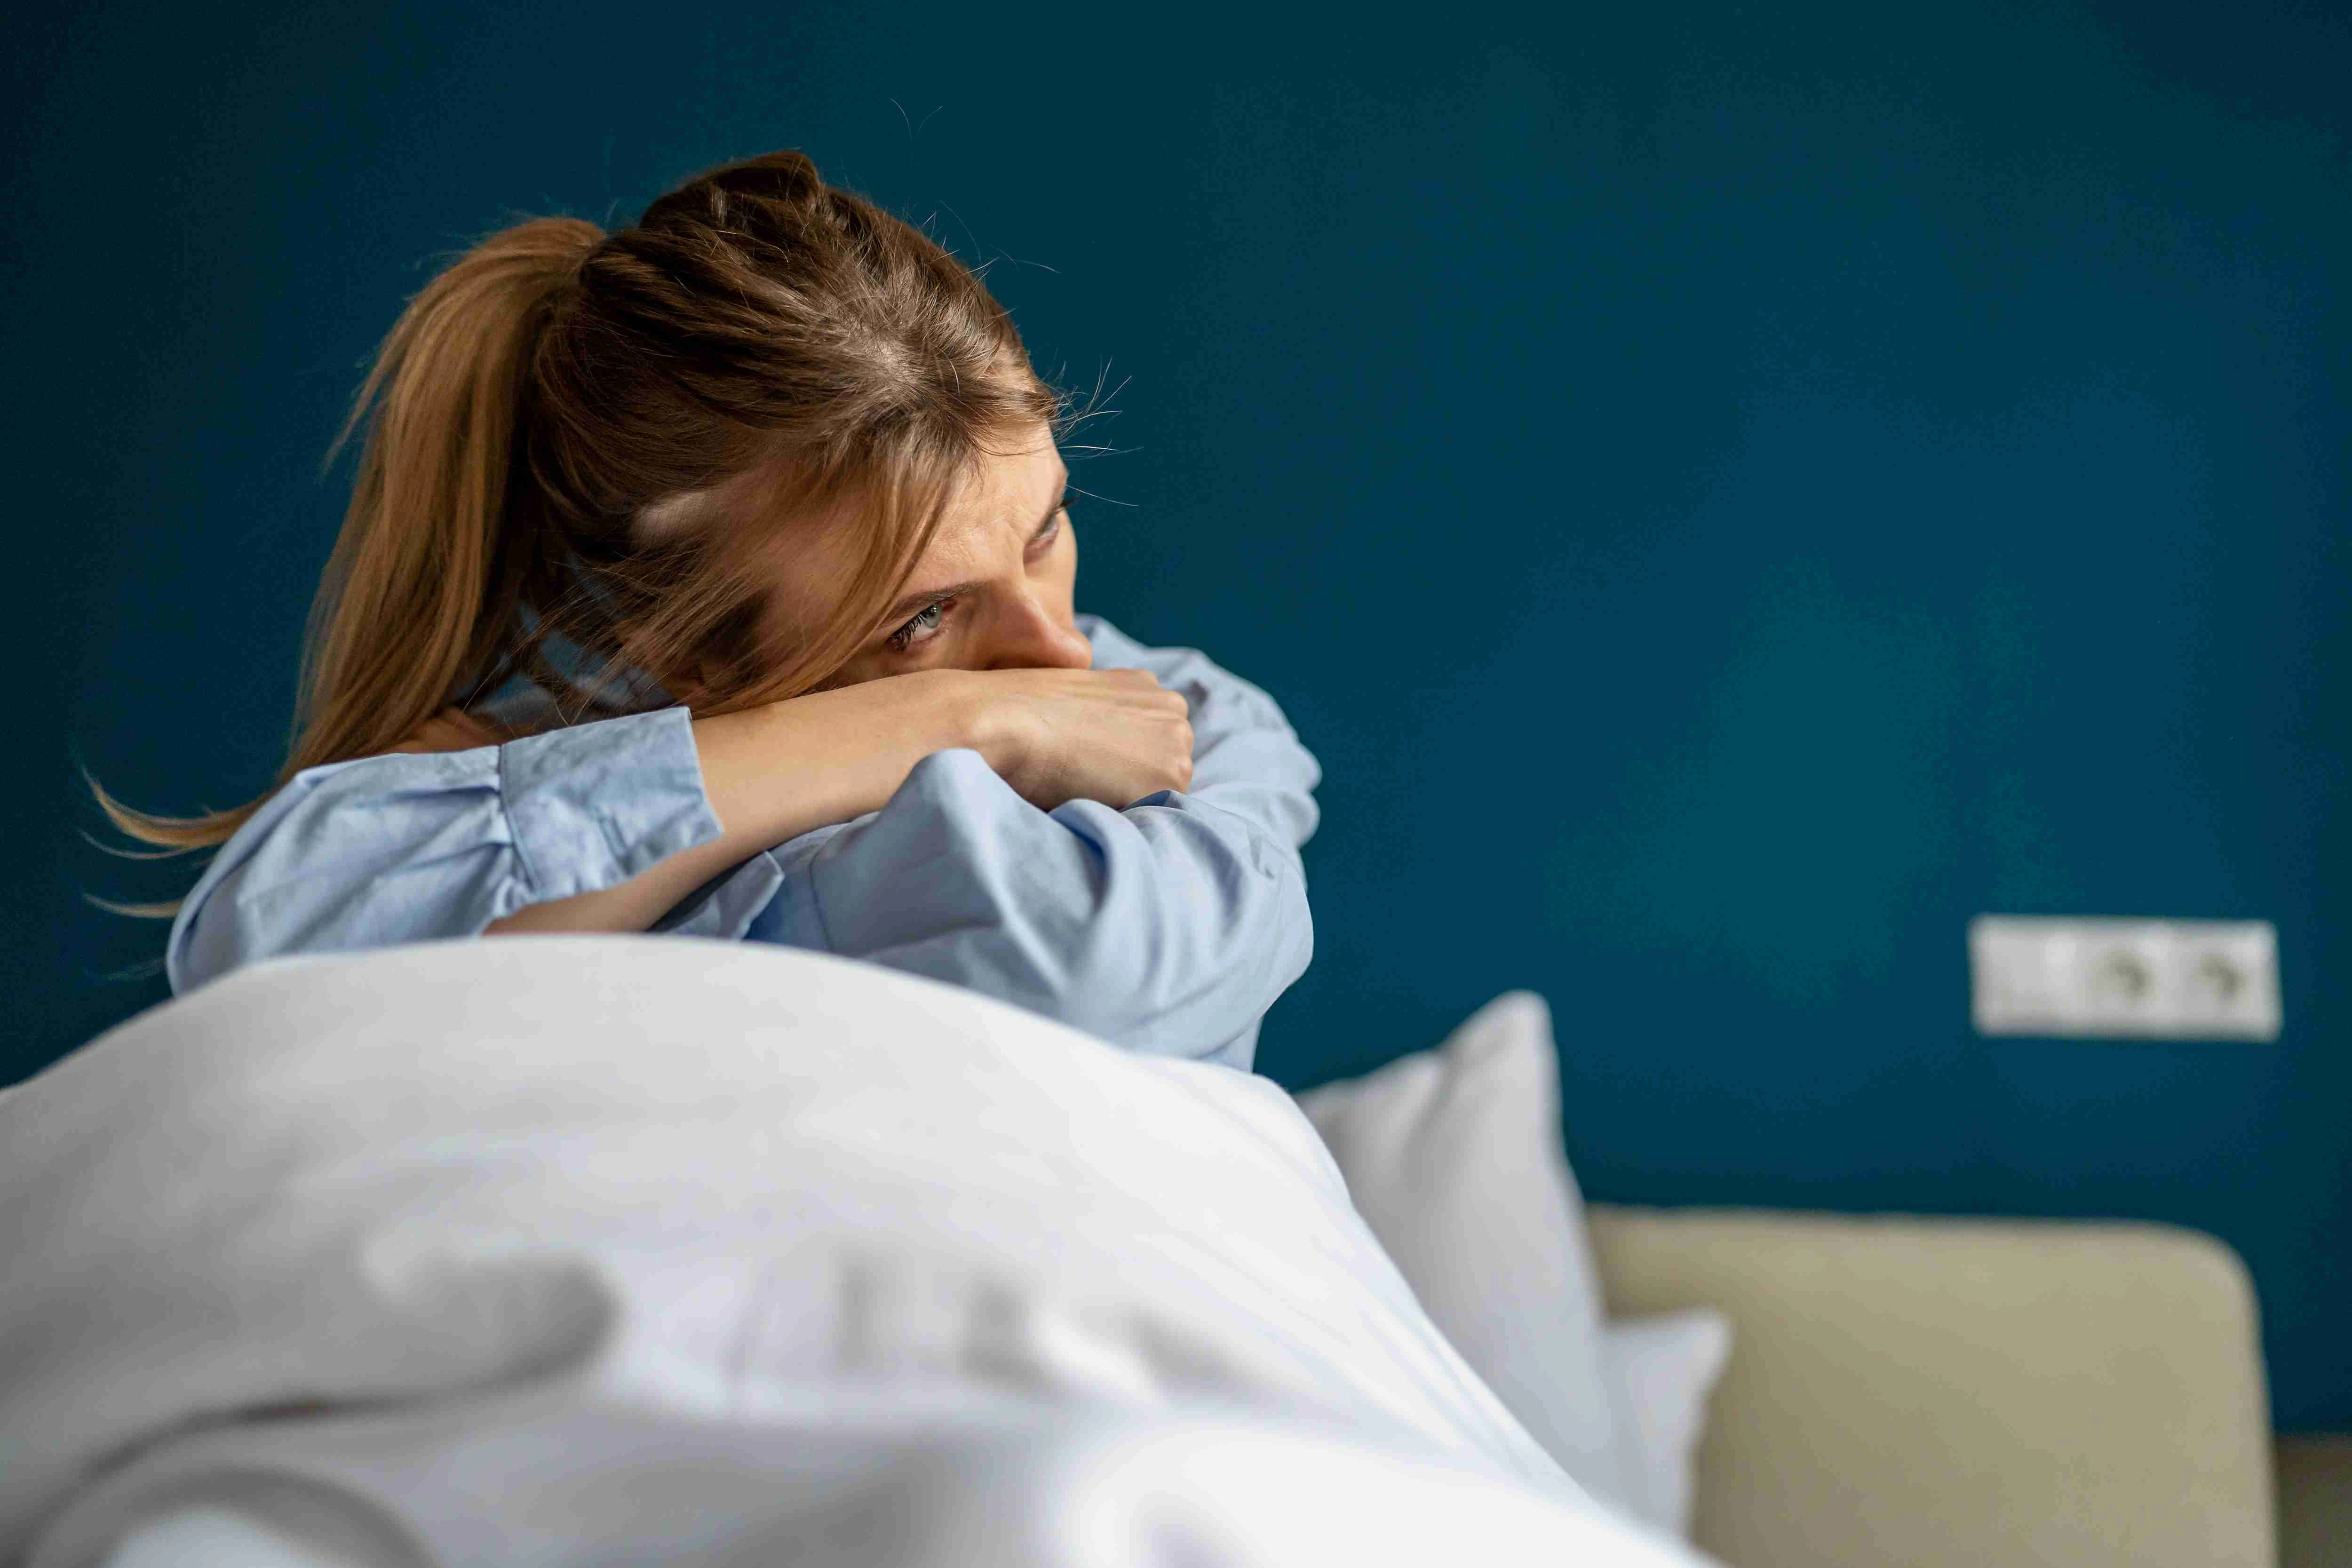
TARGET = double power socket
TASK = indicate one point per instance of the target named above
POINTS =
(2144, 979)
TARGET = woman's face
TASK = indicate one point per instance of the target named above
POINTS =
(992, 591)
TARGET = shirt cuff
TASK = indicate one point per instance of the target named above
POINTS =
(597, 804)
(727, 905)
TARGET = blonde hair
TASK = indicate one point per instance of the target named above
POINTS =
(562, 430)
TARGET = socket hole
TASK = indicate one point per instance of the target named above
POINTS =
(2218, 976)
(2123, 976)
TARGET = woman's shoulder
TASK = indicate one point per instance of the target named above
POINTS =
(454, 730)
(522, 709)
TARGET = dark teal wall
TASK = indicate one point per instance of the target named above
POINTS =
(1729, 495)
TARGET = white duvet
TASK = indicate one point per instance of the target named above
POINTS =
(629, 1251)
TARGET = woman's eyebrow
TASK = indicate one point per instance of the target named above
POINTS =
(910, 603)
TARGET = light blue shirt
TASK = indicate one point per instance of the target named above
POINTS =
(1168, 927)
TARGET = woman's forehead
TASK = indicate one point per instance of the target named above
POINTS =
(1004, 495)
(1021, 479)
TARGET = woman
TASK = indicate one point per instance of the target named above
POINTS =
(714, 576)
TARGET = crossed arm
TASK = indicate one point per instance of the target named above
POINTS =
(1167, 925)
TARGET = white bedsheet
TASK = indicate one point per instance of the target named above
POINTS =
(578, 1250)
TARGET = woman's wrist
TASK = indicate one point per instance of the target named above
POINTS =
(832, 755)
(960, 704)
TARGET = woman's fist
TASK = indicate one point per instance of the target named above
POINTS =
(1056, 735)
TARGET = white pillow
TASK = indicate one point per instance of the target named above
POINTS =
(1660, 1371)
(1454, 1158)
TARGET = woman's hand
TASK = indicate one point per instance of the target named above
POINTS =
(1056, 735)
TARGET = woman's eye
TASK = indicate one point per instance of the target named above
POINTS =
(921, 627)
(1053, 529)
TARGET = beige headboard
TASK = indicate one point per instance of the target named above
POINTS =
(1965, 1393)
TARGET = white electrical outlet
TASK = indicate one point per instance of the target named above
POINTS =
(2156, 980)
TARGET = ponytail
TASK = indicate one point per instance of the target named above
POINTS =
(428, 545)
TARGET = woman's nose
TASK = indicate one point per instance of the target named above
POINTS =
(1029, 635)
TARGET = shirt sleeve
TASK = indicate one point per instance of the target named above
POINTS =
(1168, 927)
(1245, 756)
(406, 847)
